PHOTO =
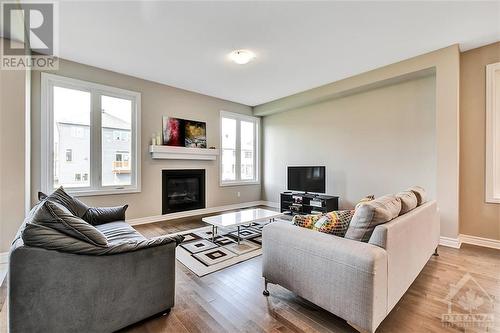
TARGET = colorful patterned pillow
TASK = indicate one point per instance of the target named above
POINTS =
(306, 221)
(366, 199)
(335, 223)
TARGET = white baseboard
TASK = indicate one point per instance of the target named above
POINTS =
(467, 239)
(165, 217)
(450, 242)
(479, 241)
(4, 257)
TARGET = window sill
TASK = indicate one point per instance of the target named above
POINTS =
(90, 193)
(492, 200)
(239, 183)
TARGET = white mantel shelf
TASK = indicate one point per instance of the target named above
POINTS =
(182, 153)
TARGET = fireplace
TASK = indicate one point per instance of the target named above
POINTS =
(183, 190)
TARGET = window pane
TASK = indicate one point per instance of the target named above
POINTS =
(71, 137)
(116, 141)
(228, 133)
(247, 133)
(247, 165)
(228, 164)
(247, 150)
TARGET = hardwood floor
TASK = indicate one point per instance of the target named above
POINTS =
(231, 300)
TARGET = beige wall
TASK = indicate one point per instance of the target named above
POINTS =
(157, 100)
(375, 142)
(477, 218)
(13, 154)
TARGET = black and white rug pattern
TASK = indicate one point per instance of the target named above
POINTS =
(202, 256)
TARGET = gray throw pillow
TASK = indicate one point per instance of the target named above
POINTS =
(370, 214)
(60, 196)
(56, 216)
(101, 215)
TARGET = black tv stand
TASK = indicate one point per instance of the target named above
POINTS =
(292, 203)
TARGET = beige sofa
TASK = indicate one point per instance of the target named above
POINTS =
(359, 282)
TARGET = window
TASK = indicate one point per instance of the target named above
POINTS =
(493, 133)
(239, 158)
(88, 124)
(69, 155)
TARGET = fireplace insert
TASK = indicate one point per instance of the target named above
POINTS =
(183, 190)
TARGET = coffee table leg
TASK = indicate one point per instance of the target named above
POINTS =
(213, 234)
(238, 235)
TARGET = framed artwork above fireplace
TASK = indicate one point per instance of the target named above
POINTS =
(184, 133)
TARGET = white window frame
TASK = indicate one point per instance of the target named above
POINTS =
(239, 117)
(48, 82)
(492, 180)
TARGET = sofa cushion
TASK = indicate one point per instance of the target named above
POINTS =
(335, 223)
(371, 214)
(420, 193)
(366, 199)
(100, 215)
(60, 196)
(306, 221)
(119, 231)
(58, 217)
(408, 201)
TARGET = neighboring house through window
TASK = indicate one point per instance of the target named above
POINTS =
(239, 149)
(69, 108)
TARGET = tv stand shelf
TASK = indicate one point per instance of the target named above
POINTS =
(307, 203)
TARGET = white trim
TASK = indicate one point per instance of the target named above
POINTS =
(48, 81)
(182, 153)
(27, 143)
(480, 241)
(4, 257)
(238, 117)
(492, 194)
(450, 242)
(173, 216)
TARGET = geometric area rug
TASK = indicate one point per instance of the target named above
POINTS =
(202, 256)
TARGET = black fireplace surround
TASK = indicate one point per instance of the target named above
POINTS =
(183, 190)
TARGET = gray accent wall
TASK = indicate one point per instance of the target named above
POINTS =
(375, 142)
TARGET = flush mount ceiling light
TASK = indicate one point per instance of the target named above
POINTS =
(241, 57)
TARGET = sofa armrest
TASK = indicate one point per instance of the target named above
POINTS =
(345, 277)
(106, 292)
(409, 240)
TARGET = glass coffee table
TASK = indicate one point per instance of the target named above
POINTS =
(239, 218)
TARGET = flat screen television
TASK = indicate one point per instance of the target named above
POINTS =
(306, 179)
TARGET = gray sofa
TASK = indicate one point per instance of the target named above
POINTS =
(357, 281)
(59, 283)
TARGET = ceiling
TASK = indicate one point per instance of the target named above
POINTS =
(299, 45)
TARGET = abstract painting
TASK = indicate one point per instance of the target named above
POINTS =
(173, 131)
(195, 134)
